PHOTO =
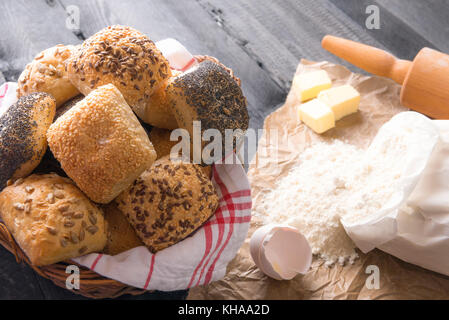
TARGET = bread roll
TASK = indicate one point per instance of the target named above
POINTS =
(124, 57)
(101, 144)
(51, 219)
(23, 139)
(157, 110)
(168, 202)
(68, 105)
(121, 236)
(160, 138)
(46, 73)
(210, 95)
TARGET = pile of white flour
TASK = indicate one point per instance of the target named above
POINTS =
(334, 181)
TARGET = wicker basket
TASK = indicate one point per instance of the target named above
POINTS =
(92, 285)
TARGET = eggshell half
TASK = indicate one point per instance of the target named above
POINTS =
(280, 251)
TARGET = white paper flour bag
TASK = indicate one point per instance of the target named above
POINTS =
(413, 224)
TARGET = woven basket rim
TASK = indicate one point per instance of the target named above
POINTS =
(92, 284)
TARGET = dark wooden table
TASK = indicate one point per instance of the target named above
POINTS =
(261, 40)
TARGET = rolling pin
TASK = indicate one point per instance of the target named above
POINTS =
(425, 81)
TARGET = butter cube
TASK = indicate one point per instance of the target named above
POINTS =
(309, 85)
(317, 116)
(342, 100)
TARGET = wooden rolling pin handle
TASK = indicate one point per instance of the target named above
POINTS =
(370, 59)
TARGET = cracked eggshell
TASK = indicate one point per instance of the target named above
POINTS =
(280, 251)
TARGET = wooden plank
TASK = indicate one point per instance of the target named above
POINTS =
(428, 18)
(29, 27)
(398, 37)
(194, 27)
(279, 33)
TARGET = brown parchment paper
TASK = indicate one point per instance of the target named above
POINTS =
(398, 279)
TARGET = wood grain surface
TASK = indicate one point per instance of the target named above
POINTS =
(261, 40)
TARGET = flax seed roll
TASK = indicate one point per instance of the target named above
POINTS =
(168, 202)
(51, 219)
(124, 57)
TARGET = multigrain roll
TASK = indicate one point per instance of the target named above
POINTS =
(101, 144)
(168, 202)
(23, 141)
(121, 235)
(124, 57)
(51, 219)
(210, 95)
(46, 73)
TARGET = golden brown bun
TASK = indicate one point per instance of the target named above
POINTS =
(160, 138)
(168, 202)
(51, 219)
(157, 111)
(23, 139)
(68, 105)
(46, 73)
(121, 236)
(101, 144)
(124, 57)
(208, 94)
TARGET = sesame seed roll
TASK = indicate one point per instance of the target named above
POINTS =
(101, 145)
